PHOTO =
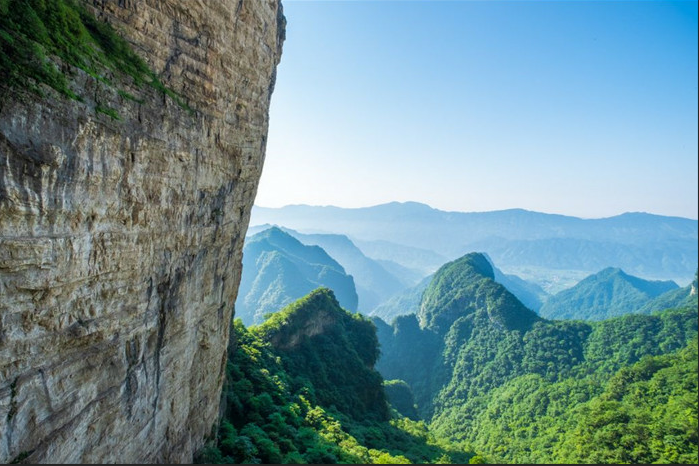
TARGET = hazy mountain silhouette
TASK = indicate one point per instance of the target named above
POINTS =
(647, 245)
(278, 269)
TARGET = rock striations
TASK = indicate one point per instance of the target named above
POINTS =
(120, 239)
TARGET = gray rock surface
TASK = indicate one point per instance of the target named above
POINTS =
(120, 240)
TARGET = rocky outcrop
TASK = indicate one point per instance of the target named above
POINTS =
(120, 239)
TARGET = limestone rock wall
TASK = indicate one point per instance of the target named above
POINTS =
(120, 240)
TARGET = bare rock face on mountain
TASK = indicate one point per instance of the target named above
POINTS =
(120, 239)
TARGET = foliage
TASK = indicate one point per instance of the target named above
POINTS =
(644, 413)
(517, 388)
(272, 410)
(401, 398)
(682, 297)
(609, 293)
(40, 40)
(331, 349)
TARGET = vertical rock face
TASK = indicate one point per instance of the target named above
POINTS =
(120, 240)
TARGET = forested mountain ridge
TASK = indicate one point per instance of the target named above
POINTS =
(331, 348)
(278, 269)
(608, 293)
(682, 297)
(466, 288)
(475, 343)
(301, 388)
(408, 301)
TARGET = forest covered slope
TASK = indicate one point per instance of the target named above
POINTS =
(302, 388)
(519, 388)
(608, 293)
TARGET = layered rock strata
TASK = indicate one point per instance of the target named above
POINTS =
(121, 239)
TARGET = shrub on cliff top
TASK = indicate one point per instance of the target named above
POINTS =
(40, 40)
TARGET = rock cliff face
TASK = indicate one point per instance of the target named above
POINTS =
(120, 240)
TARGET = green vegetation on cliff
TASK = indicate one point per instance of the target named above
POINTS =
(331, 350)
(302, 389)
(401, 398)
(40, 40)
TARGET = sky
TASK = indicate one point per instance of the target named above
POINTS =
(583, 108)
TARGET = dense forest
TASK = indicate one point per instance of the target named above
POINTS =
(301, 388)
(486, 370)
(473, 371)
(608, 293)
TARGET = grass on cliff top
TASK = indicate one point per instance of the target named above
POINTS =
(33, 32)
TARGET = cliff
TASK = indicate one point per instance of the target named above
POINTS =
(121, 236)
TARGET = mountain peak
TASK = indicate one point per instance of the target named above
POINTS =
(467, 287)
(608, 293)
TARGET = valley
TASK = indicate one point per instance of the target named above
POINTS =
(493, 379)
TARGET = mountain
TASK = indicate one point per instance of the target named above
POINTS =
(649, 245)
(407, 302)
(408, 276)
(486, 370)
(656, 259)
(374, 283)
(302, 389)
(608, 293)
(278, 269)
(681, 297)
(314, 336)
(465, 290)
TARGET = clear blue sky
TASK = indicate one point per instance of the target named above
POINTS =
(580, 108)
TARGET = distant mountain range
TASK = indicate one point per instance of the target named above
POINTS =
(608, 293)
(519, 241)
(278, 269)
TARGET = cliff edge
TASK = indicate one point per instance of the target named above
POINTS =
(121, 234)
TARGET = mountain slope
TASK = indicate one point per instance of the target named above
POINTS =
(477, 347)
(407, 302)
(608, 293)
(682, 297)
(301, 388)
(466, 287)
(314, 336)
(374, 283)
(422, 261)
(278, 269)
(529, 294)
